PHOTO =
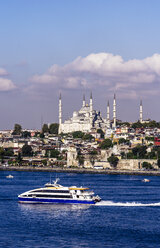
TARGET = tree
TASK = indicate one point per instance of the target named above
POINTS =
(19, 158)
(44, 162)
(113, 160)
(88, 136)
(137, 124)
(101, 132)
(158, 162)
(129, 155)
(53, 128)
(77, 134)
(26, 134)
(106, 144)
(2, 152)
(17, 129)
(41, 135)
(122, 141)
(123, 155)
(149, 138)
(9, 152)
(52, 153)
(80, 159)
(139, 151)
(45, 128)
(147, 166)
(27, 150)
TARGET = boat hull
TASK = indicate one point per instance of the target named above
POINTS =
(54, 201)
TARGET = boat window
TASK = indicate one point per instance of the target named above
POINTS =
(51, 196)
(50, 191)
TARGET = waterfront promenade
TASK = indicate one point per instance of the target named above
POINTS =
(81, 170)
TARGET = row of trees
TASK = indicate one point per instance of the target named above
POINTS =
(81, 135)
(52, 129)
(107, 143)
(140, 152)
(138, 124)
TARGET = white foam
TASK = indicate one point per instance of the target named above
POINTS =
(126, 204)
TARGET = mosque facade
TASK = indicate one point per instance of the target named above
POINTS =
(86, 119)
(89, 120)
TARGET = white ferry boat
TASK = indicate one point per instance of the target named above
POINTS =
(56, 193)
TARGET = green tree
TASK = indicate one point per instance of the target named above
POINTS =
(26, 134)
(17, 129)
(27, 150)
(151, 155)
(52, 153)
(129, 155)
(2, 152)
(53, 128)
(137, 124)
(45, 128)
(158, 162)
(123, 155)
(41, 135)
(139, 151)
(122, 141)
(149, 138)
(77, 134)
(101, 132)
(113, 160)
(9, 152)
(87, 136)
(44, 162)
(80, 159)
(19, 158)
(147, 166)
(106, 144)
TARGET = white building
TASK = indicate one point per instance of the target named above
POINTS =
(85, 120)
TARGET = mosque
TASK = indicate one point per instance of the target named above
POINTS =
(89, 120)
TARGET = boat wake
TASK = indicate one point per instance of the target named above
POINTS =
(126, 204)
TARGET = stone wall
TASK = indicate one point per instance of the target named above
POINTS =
(134, 164)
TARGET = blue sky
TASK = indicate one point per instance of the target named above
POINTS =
(35, 35)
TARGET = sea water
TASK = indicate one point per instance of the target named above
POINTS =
(127, 216)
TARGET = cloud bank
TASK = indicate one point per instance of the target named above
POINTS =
(128, 78)
(5, 84)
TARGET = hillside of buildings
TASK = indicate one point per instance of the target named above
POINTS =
(131, 146)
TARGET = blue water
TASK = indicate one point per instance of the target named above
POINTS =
(128, 216)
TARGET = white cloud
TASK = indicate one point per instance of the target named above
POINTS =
(3, 72)
(104, 69)
(6, 84)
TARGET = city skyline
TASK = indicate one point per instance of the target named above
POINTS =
(74, 48)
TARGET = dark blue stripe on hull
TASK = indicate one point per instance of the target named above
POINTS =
(37, 200)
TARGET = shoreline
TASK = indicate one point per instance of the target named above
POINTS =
(81, 171)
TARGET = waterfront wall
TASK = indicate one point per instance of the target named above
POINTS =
(135, 164)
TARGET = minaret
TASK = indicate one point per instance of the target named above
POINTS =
(108, 116)
(141, 112)
(84, 102)
(91, 110)
(114, 111)
(60, 110)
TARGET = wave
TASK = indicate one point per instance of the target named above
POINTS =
(127, 204)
